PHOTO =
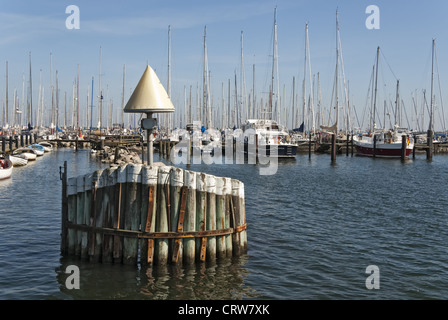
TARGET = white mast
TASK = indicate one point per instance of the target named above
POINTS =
(100, 95)
(431, 119)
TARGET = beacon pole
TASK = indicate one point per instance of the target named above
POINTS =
(149, 123)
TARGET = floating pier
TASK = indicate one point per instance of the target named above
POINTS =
(140, 214)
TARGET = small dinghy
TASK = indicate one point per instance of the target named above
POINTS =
(40, 150)
(5, 168)
(27, 153)
(18, 160)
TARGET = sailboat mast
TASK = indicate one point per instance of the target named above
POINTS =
(397, 107)
(122, 96)
(100, 96)
(169, 116)
(30, 97)
(304, 78)
(7, 92)
(77, 99)
(376, 90)
(337, 74)
(431, 119)
(273, 62)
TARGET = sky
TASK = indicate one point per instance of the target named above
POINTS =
(134, 33)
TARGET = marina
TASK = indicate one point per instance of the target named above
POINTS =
(200, 184)
(304, 241)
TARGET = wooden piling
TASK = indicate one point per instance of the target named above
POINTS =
(176, 215)
(403, 147)
(153, 215)
(110, 208)
(149, 206)
(120, 200)
(99, 202)
(333, 147)
(221, 251)
(132, 212)
(210, 216)
(64, 205)
(374, 146)
(189, 244)
(351, 143)
(161, 245)
(228, 217)
(201, 209)
(429, 142)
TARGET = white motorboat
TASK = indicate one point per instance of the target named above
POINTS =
(27, 153)
(5, 168)
(269, 136)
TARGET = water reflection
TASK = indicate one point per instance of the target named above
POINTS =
(224, 280)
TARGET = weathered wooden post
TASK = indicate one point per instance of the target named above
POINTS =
(228, 217)
(333, 147)
(403, 147)
(110, 203)
(98, 206)
(120, 201)
(149, 206)
(429, 142)
(82, 216)
(346, 145)
(72, 234)
(132, 212)
(374, 145)
(210, 185)
(309, 147)
(201, 210)
(351, 142)
(64, 216)
(177, 217)
(220, 217)
(190, 217)
(161, 245)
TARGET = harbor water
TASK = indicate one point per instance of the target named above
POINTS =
(313, 229)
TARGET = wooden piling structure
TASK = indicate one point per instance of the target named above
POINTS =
(139, 214)
(429, 141)
(403, 147)
(333, 147)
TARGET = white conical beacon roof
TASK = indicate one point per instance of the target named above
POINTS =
(149, 95)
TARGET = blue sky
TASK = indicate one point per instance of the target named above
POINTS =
(134, 33)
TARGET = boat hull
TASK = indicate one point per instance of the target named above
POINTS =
(5, 169)
(18, 161)
(382, 150)
(283, 150)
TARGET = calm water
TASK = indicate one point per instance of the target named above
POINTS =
(313, 228)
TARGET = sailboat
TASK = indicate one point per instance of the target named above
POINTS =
(269, 134)
(386, 144)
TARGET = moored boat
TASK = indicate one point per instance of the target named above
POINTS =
(270, 135)
(383, 144)
(27, 153)
(5, 168)
(18, 160)
(47, 146)
(40, 150)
